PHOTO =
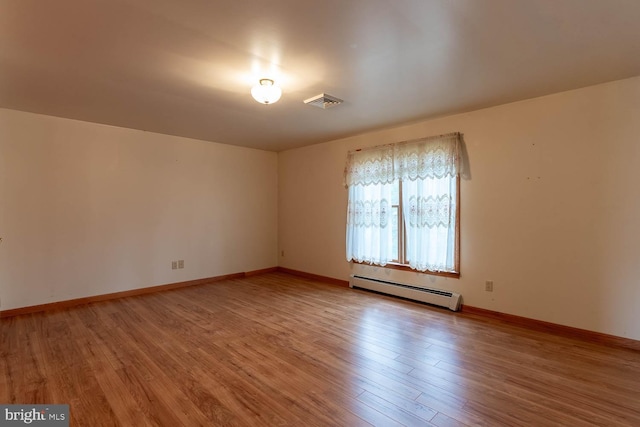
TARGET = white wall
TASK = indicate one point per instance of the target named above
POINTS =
(550, 211)
(87, 209)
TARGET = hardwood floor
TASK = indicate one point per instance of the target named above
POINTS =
(276, 349)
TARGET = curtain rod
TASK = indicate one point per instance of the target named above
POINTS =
(407, 141)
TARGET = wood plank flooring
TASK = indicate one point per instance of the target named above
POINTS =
(280, 350)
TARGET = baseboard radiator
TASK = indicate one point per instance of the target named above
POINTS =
(438, 297)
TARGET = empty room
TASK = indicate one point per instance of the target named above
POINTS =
(338, 213)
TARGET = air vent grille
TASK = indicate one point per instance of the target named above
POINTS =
(323, 101)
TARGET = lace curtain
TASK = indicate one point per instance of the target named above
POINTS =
(430, 223)
(428, 169)
(369, 229)
(432, 157)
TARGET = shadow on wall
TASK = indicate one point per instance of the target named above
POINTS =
(466, 165)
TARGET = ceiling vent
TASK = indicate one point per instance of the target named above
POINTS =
(323, 101)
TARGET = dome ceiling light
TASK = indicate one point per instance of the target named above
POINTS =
(266, 92)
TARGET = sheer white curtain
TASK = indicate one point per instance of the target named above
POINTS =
(369, 232)
(428, 169)
(369, 177)
(430, 223)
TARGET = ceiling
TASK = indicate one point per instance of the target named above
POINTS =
(186, 67)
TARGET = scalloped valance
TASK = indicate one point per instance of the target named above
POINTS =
(430, 157)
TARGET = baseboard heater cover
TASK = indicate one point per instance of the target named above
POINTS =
(451, 300)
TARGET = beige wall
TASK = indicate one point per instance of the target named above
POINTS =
(87, 209)
(550, 211)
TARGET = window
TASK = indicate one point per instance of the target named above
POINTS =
(403, 204)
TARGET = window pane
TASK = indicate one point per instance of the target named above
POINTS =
(395, 193)
(394, 234)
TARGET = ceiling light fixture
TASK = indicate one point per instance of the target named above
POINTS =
(266, 92)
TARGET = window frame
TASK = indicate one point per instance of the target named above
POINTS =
(401, 263)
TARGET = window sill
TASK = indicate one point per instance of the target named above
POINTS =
(405, 267)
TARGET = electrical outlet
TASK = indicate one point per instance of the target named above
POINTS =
(174, 265)
(180, 263)
(488, 286)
